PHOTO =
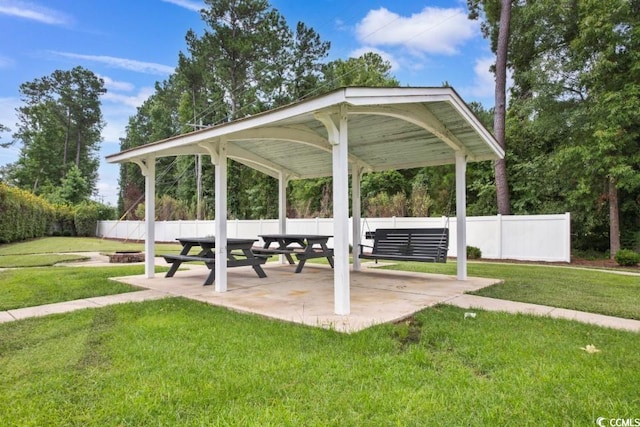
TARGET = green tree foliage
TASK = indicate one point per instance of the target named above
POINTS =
(73, 189)
(370, 70)
(59, 126)
(3, 128)
(248, 60)
(313, 197)
(573, 116)
(156, 119)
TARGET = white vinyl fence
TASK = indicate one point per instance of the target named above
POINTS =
(519, 237)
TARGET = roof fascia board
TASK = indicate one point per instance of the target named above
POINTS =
(471, 118)
(258, 120)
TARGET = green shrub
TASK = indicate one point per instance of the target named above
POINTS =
(63, 224)
(627, 257)
(473, 252)
(86, 219)
(87, 214)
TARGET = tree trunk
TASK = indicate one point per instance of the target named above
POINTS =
(500, 166)
(78, 147)
(614, 219)
(66, 137)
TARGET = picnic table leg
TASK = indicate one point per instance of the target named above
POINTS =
(174, 267)
(301, 262)
(211, 277)
(256, 266)
(259, 271)
(329, 255)
(176, 264)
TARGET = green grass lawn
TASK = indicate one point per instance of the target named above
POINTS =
(77, 244)
(576, 289)
(180, 362)
(37, 286)
(49, 251)
(37, 260)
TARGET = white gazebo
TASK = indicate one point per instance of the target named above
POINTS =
(349, 131)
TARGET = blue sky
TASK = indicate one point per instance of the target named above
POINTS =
(132, 44)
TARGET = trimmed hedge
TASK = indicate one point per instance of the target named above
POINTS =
(23, 215)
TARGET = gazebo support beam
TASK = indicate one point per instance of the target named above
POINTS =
(148, 169)
(220, 162)
(283, 180)
(338, 137)
(356, 212)
(461, 214)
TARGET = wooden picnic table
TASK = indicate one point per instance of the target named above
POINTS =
(238, 254)
(303, 246)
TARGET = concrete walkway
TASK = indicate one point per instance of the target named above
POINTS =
(392, 290)
(471, 302)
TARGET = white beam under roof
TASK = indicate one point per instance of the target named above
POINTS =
(434, 127)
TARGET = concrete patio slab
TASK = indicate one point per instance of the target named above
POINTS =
(377, 296)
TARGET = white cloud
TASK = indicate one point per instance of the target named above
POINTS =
(483, 86)
(433, 30)
(116, 85)
(5, 62)
(114, 129)
(8, 118)
(340, 25)
(107, 185)
(187, 4)
(116, 109)
(132, 101)
(384, 55)
(124, 63)
(483, 80)
(8, 115)
(34, 12)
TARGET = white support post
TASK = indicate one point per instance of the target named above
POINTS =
(356, 212)
(150, 216)
(220, 162)
(341, 277)
(283, 180)
(461, 214)
(282, 207)
(567, 237)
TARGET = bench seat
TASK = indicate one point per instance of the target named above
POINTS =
(210, 262)
(398, 257)
(187, 258)
(409, 244)
(263, 251)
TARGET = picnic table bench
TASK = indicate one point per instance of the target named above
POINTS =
(408, 244)
(238, 254)
(302, 246)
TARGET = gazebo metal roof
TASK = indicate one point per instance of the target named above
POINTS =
(389, 129)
